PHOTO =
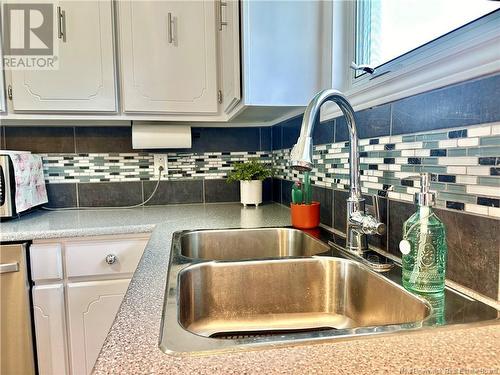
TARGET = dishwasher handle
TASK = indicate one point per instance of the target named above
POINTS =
(9, 267)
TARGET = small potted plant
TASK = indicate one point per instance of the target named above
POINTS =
(305, 212)
(250, 175)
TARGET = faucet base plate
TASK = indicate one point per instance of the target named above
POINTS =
(370, 258)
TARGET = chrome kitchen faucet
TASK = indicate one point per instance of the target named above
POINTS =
(359, 223)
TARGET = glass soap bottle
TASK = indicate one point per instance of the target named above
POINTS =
(424, 245)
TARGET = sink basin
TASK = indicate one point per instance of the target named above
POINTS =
(238, 289)
(236, 244)
(292, 295)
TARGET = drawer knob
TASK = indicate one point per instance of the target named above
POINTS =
(111, 258)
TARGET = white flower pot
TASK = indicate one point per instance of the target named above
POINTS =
(251, 192)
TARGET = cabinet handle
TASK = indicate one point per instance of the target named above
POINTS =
(9, 267)
(169, 28)
(61, 24)
(111, 259)
(221, 22)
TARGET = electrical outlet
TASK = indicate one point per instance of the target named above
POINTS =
(160, 160)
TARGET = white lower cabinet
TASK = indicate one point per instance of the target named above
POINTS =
(79, 286)
(92, 307)
(50, 330)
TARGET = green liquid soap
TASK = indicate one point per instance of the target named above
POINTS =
(424, 252)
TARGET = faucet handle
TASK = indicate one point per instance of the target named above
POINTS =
(376, 206)
(366, 224)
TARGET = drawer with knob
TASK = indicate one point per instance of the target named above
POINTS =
(103, 257)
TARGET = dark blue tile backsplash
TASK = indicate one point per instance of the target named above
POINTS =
(324, 132)
(277, 135)
(226, 139)
(291, 131)
(373, 122)
(286, 133)
(266, 139)
(469, 103)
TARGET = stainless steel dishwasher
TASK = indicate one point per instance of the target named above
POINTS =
(16, 345)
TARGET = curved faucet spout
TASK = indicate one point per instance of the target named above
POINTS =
(359, 224)
(301, 154)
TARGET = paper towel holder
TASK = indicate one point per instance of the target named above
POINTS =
(160, 135)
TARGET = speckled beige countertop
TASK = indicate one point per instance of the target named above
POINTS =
(132, 344)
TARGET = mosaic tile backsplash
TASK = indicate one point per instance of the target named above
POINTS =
(464, 164)
(119, 167)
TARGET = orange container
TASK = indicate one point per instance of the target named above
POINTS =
(305, 216)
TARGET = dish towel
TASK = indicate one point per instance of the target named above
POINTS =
(29, 180)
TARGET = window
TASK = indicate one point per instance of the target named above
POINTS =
(387, 29)
(414, 46)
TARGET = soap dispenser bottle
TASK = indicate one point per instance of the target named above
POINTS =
(424, 245)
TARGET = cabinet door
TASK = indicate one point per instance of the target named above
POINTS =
(50, 331)
(92, 307)
(229, 31)
(168, 56)
(285, 51)
(85, 78)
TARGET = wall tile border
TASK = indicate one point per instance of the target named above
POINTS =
(111, 167)
(464, 164)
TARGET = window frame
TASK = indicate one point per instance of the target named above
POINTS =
(469, 52)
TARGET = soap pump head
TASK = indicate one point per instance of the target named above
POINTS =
(425, 197)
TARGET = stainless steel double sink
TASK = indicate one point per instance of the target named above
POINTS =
(238, 289)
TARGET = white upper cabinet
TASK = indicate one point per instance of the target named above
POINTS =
(229, 34)
(286, 54)
(168, 56)
(221, 61)
(85, 78)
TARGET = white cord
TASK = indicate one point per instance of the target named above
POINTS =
(160, 169)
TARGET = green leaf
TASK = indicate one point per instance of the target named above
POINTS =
(251, 170)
